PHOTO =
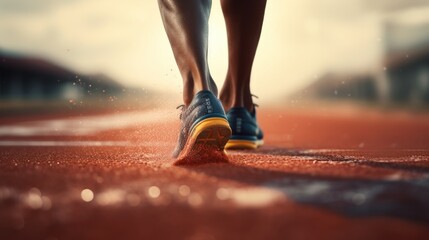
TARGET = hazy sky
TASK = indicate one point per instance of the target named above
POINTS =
(301, 40)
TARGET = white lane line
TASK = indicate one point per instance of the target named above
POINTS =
(8, 143)
(84, 125)
(64, 143)
(362, 150)
(331, 192)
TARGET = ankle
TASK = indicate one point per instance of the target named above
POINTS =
(231, 99)
(225, 99)
(212, 86)
(191, 88)
(248, 101)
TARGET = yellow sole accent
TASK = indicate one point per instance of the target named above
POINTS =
(208, 123)
(243, 144)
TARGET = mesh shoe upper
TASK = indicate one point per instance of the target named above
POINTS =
(244, 125)
(203, 105)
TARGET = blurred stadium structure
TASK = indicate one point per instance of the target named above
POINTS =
(28, 78)
(406, 57)
(402, 77)
(35, 85)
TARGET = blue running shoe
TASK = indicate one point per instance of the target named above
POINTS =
(246, 133)
(204, 131)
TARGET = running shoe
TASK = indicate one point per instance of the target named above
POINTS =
(246, 133)
(204, 131)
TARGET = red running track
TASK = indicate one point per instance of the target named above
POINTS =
(322, 174)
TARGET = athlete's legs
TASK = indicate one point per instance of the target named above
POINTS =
(244, 23)
(186, 24)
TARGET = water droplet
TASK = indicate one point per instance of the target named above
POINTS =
(87, 195)
(111, 197)
(222, 193)
(184, 190)
(35, 191)
(195, 199)
(34, 199)
(154, 191)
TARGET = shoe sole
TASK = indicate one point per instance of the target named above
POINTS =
(243, 144)
(206, 143)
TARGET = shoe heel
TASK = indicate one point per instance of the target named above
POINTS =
(212, 131)
(206, 142)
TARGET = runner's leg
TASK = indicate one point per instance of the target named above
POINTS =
(243, 23)
(186, 24)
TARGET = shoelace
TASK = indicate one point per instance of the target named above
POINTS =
(182, 107)
(254, 104)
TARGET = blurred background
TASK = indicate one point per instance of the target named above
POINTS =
(73, 54)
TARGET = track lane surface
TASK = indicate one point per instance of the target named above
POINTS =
(324, 174)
